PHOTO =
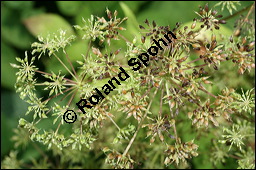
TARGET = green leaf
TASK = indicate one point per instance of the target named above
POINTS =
(70, 8)
(8, 77)
(19, 4)
(99, 7)
(6, 134)
(45, 24)
(169, 12)
(132, 23)
(12, 29)
(76, 50)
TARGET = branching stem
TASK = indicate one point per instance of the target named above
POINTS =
(140, 124)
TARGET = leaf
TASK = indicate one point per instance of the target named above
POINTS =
(70, 8)
(6, 133)
(8, 77)
(19, 4)
(168, 12)
(75, 50)
(132, 23)
(44, 24)
(12, 29)
(99, 7)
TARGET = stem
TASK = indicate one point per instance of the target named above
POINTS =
(81, 128)
(175, 132)
(250, 11)
(233, 156)
(70, 63)
(59, 94)
(135, 134)
(238, 12)
(246, 18)
(161, 103)
(195, 67)
(181, 88)
(68, 105)
(65, 67)
(42, 84)
(113, 122)
(57, 128)
(72, 97)
(146, 92)
(209, 93)
(66, 95)
(88, 49)
(124, 38)
(169, 102)
(250, 135)
(108, 115)
(122, 66)
(51, 75)
(194, 60)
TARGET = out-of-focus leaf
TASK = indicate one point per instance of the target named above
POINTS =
(19, 4)
(135, 5)
(70, 8)
(12, 29)
(30, 153)
(76, 50)
(132, 23)
(12, 107)
(169, 12)
(8, 77)
(47, 23)
(6, 134)
(85, 13)
(99, 7)
(31, 12)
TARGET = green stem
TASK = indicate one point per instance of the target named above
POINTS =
(194, 61)
(145, 115)
(161, 103)
(57, 128)
(59, 93)
(238, 12)
(51, 75)
(125, 39)
(113, 122)
(204, 90)
(70, 63)
(250, 135)
(169, 102)
(42, 84)
(88, 49)
(195, 67)
(65, 67)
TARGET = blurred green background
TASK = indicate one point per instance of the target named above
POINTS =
(21, 21)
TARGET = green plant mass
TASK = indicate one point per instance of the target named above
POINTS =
(145, 88)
